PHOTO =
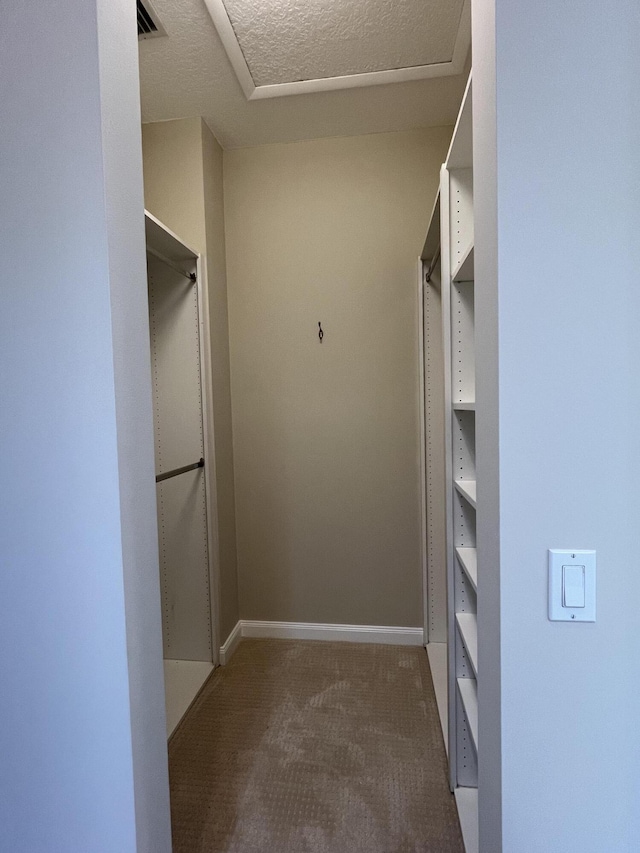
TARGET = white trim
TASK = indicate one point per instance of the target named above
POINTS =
(334, 633)
(356, 81)
(445, 293)
(231, 644)
(422, 456)
(231, 45)
(381, 634)
(208, 435)
(252, 92)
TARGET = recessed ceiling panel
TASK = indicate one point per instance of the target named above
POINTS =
(287, 41)
(192, 73)
(293, 47)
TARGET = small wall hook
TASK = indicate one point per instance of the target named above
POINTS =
(320, 332)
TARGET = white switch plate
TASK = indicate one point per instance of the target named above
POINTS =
(558, 561)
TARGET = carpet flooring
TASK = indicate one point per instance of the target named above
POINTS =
(313, 747)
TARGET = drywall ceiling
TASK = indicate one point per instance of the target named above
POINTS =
(189, 73)
(300, 40)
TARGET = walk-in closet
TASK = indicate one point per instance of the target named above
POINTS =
(319, 415)
(341, 376)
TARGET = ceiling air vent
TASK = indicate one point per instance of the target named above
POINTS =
(149, 25)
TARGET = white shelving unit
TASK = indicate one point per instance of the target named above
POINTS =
(432, 372)
(184, 490)
(452, 254)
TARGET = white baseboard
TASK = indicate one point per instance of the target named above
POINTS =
(334, 633)
(383, 634)
(231, 644)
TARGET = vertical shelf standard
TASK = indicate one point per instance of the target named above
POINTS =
(432, 372)
(458, 299)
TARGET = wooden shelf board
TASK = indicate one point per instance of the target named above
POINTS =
(465, 269)
(468, 628)
(467, 805)
(468, 689)
(468, 559)
(467, 488)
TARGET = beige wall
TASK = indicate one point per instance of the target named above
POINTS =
(184, 189)
(173, 177)
(326, 435)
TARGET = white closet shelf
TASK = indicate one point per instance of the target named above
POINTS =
(432, 242)
(467, 803)
(164, 241)
(467, 488)
(460, 154)
(183, 680)
(468, 689)
(469, 406)
(437, 653)
(463, 271)
(468, 628)
(468, 559)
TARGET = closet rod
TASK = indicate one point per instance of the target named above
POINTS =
(156, 254)
(432, 265)
(177, 471)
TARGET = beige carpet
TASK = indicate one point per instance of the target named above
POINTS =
(305, 747)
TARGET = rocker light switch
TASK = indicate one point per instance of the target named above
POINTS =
(572, 586)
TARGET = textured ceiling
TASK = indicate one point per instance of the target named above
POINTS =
(290, 40)
(188, 74)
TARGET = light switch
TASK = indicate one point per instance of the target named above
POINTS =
(572, 586)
